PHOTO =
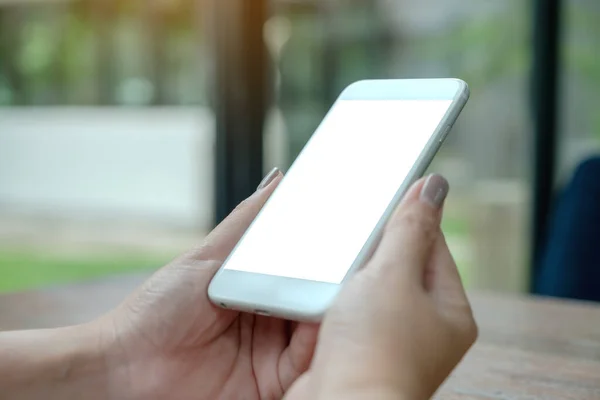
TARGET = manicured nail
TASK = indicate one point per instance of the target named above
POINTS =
(435, 190)
(268, 178)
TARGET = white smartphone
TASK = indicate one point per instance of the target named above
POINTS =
(325, 218)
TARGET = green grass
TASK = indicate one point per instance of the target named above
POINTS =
(22, 269)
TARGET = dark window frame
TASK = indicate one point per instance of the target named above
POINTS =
(545, 74)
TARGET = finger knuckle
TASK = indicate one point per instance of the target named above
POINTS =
(417, 222)
(474, 330)
(241, 206)
(240, 210)
(469, 330)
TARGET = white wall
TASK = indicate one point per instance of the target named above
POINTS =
(152, 163)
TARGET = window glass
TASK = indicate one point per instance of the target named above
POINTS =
(323, 46)
(106, 138)
(579, 118)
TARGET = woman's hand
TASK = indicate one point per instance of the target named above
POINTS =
(400, 325)
(396, 330)
(167, 340)
(172, 342)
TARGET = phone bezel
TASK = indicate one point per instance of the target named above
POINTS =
(306, 300)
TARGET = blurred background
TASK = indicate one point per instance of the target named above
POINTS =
(128, 128)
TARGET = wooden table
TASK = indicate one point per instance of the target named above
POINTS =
(529, 348)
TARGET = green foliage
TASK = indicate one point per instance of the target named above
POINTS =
(483, 49)
(38, 48)
(22, 269)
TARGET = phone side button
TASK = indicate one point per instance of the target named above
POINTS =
(446, 131)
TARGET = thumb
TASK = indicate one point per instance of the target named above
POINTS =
(221, 241)
(411, 233)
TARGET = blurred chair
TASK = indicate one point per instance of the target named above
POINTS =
(570, 262)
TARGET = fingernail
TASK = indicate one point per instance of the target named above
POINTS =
(435, 190)
(268, 178)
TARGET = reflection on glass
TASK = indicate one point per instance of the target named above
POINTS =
(485, 157)
(580, 90)
(112, 55)
(93, 180)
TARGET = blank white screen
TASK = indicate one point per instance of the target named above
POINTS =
(319, 218)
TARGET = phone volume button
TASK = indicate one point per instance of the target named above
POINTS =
(446, 131)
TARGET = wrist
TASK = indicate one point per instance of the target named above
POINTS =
(63, 363)
(132, 372)
(380, 393)
(364, 390)
(372, 381)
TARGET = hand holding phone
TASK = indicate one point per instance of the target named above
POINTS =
(396, 328)
(401, 324)
(318, 228)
